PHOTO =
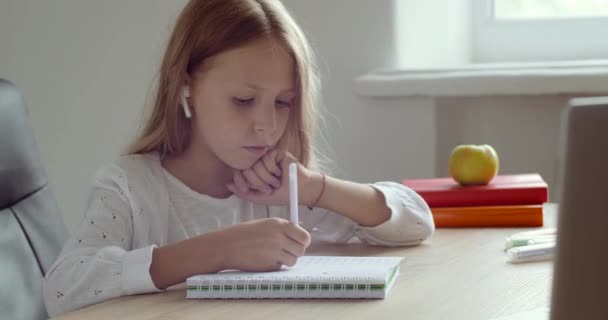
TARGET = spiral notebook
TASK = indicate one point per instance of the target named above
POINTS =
(312, 277)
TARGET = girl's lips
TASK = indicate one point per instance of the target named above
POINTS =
(258, 150)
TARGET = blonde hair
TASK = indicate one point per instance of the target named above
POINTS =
(206, 28)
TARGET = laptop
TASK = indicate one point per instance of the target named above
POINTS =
(580, 278)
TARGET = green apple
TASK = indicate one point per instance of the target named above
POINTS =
(473, 164)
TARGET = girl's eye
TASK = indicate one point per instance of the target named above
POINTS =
(283, 104)
(242, 101)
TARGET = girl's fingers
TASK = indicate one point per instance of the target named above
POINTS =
(294, 247)
(298, 234)
(263, 176)
(271, 163)
(256, 182)
(267, 177)
(278, 156)
(287, 259)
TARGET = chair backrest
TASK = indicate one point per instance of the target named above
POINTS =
(31, 228)
(580, 278)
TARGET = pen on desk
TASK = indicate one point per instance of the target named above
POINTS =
(522, 238)
(293, 193)
(542, 239)
(538, 232)
(535, 252)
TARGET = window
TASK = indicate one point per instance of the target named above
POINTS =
(539, 30)
(552, 9)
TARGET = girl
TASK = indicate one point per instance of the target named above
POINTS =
(204, 187)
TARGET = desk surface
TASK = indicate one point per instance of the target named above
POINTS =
(457, 274)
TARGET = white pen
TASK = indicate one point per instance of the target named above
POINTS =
(542, 239)
(538, 232)
(293, 193)
(522, 238)
(535, 252)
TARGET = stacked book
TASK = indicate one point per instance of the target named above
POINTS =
(507, 201)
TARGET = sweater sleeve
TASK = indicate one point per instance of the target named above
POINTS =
(410, 221)
(98, 262)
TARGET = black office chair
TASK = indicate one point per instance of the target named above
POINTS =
(31, 228)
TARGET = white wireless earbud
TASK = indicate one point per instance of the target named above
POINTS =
(186, 94)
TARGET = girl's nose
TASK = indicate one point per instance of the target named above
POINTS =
(265, 120)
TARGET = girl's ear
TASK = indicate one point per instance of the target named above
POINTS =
(185, 95)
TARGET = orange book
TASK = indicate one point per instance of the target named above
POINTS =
(488, 216)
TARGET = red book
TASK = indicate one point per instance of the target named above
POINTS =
(503, 190)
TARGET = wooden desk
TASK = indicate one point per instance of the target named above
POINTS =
(457, 274)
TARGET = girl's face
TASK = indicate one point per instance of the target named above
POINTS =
(242, 100)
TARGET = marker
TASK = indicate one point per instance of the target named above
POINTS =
(293, 193)
(538, 232)
(542, 239)
(522, 238)
(535, 252)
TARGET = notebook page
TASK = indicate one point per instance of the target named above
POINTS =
(313, 269)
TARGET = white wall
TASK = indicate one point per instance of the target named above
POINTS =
(85, 68)
(524, 130)
(379, 139)
(429, 34)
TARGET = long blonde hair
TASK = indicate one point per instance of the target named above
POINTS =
(206, 28)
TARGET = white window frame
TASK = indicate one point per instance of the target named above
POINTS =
(525, 40)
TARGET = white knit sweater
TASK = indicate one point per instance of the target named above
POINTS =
(136, 205)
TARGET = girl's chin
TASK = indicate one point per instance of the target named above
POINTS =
(241, 164)
(241, 161)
